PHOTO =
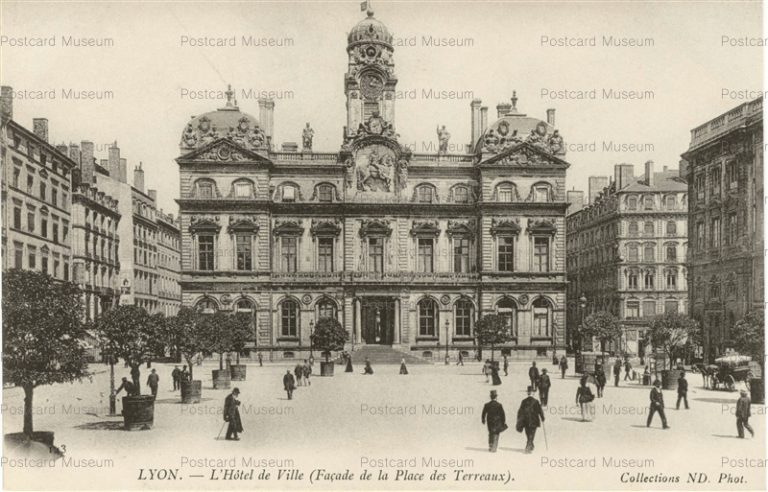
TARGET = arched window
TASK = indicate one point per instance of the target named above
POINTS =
(506, 192)
(463, 318)
(542, 313)
(289, 192)
(632, 203)
(632, 253)
(671, 252)
(671, 276)
(671, 202)
(325, 192)
(541, 192)
(648, 228)
(289, 318)
(426, 194)
(649, 280)
(428, 319)
(648, 253)
(632, 279)
(648, 203)
(206, 306)
(507, 309)
(671, 228)
(633, 228)
(242, 188)
(326, 309)
(205, 189)
(460, 194)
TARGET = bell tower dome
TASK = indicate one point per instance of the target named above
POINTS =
(370, 81)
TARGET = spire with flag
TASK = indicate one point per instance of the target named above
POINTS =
(366, 6)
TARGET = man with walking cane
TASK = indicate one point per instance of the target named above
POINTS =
(232, 415)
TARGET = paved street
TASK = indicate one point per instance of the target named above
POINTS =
(355, 422)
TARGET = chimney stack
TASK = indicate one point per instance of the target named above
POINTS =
(623, 175)
(575, 201)
(114, 161)
(123, 170)
(503, 109)
(138, 178)
(551, 117)
(596, 185)
(649, 173)
(63, 149)
(267, 117)
(74, 153)
(6, 103)
(475, 122)
(153, 195)
(40, 128)
(483, 119)
(87, 163)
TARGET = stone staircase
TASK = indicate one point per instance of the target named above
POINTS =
(384, 354)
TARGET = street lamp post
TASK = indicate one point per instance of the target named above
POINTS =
(447, 335)
(583, 305)
(112, 398)
(311, 339)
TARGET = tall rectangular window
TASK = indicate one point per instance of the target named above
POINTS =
(376, 254)
(31, 257)
(16, 174)
(700, 236)
(541, 254)
(288, 246)
(42, 190)
(670, 307)
(426, 255)
(506, 253)
(44, 263)
(633, 310)
(17, 218)
(460, 254)
(649, 309)
(464, 319)
(30, 184)
(205, 252)
(18, 255)
(715, 237)
(54, 197)
(325, 254)
(31, 221)
(44, 227)
(243, 250)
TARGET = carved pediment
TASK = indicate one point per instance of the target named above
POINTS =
(204, 223)
(425, 228)
(505, 226)
(460, 227)
(288, 227)
(541, 226)
(247, 224)
(325, 227)
(223, 150)
(375, 227)
(525, 154)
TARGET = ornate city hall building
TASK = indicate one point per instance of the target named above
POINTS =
(406, 250)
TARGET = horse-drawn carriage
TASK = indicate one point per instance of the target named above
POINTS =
(726, 372)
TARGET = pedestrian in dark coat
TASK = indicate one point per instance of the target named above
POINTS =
(600, 379)
(682, 390)
(307, 373)
(460, 362)
(130, 388)
(506, 366)
(493, 416)
(743, 412)
(176, 376)
(495, 379)
(289, 384)
(627, 370)
(563, 366)
(657, 405)
(184, 376)
(403, 369)
(533, 375)
(298, 371)
(616, 372)
(585, 399)
(135, 373)
(544, 385)
(261, 360)
(529, 418)
(349, 363)
(153, 381)
(232, 415)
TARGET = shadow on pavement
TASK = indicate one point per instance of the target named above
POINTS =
(726, 437)
(171, 401)
(716, 400)
(104, 425)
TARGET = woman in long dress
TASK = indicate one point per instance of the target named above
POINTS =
(403, 369)
(495, 375)
(585, 400)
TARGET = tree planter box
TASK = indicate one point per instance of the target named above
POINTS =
(138, 412)
(238, 372)
(44, 437)
(222, 379)
(669, 378)
(326, 368)
(191, 391)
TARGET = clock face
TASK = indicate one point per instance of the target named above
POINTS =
(371, 86)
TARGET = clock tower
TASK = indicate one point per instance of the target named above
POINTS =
(370, 81)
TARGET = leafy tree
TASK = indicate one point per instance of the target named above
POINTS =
(674, 334)
(748, 338)
(187, 334)
(130, 333)
(42, 334)
(240, 332)
(329, 336)
(218, 335)
(492, 330)
(602, 325)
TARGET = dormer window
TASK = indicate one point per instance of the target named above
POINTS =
(289, 193)
(461, 194)
(325, 193)
(205, 190)
(505, 192)
(424, 194)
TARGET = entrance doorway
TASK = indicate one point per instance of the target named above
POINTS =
(378, 320)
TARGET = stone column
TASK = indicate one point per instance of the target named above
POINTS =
(358, 316)
(397, 321)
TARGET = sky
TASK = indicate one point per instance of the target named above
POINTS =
(694, 62)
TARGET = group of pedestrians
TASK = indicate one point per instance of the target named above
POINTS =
(530, 416)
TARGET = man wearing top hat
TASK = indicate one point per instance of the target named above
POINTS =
(493, 416)
(529, 417)
(232, 415)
